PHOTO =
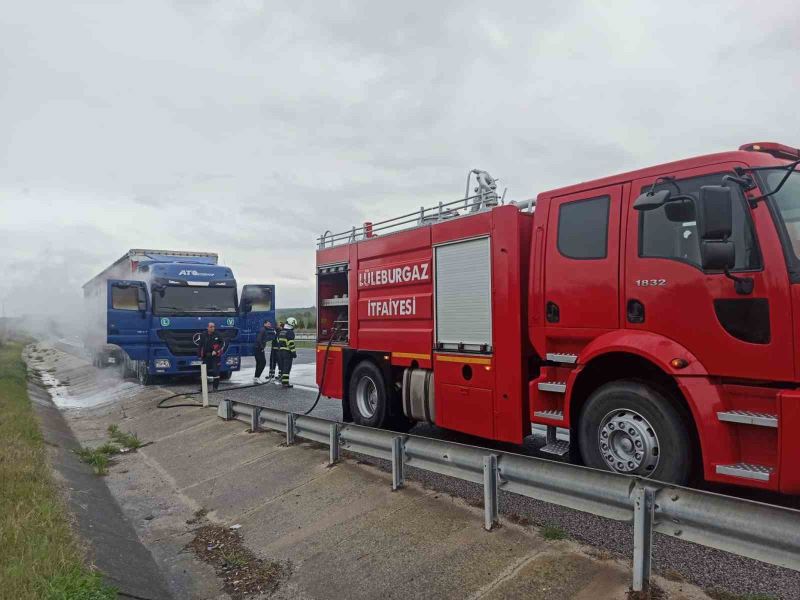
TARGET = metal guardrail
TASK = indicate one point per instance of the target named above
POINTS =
(759, 531)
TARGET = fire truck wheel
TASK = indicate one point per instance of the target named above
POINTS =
(632, 428)
(368, 397)
(225, 375)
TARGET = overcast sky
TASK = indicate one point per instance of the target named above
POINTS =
(249, 127)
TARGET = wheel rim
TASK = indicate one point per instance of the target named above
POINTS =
(628, 443)
(367, 397)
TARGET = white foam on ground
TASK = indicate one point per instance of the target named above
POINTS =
(302, 376)
(106, 393)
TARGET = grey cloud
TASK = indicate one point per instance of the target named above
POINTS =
(251, 128)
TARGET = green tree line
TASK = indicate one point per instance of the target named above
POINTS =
(306, 317)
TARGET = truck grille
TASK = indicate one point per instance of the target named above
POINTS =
(181, 343)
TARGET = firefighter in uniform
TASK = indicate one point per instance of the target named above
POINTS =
(210, 348)
(273, 354)
(265, 336)
(286, 350)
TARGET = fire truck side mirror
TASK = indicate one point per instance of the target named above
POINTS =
(714, 226)
(715, 218)
(246, 306)
(651, 200)
(717, 255)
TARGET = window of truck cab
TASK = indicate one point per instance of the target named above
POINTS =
(785, 209)
(670, 231)
(194, 300)
(259, 297)
(583, 228)
(124, 298)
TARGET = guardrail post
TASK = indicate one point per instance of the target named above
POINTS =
(204, 383)
(290, 417)
(255, 419)
(398, 463)
(333, 457)
(225, 410)
(490, 513)
(643, 510)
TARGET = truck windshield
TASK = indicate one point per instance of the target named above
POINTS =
(179, 300)
(787, 201)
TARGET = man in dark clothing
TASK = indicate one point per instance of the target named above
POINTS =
(273, 353)
(266, 335)
(210, 348)
(286, 350)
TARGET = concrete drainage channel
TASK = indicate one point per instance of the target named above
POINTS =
(759, 531)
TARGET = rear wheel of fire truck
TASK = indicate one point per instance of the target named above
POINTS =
(633, 428)
(141, 373)
(368, 397)
(225, 375)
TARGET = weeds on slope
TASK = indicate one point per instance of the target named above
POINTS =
(39, 557)
(100, 457)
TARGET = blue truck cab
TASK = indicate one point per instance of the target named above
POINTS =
(147, 310)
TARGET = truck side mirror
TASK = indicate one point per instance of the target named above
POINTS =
(246, 306)
(141, 300)
(714, 227)
(680, 211)
(717, 255)
(651, 200)
(715, 221)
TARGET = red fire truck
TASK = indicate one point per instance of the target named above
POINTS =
(655, 315)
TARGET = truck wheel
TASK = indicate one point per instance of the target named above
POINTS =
(225, 375)
(368, 397)
(632, 428)
(127, 368)
(141, 372)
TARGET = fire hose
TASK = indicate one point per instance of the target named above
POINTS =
(161, 402)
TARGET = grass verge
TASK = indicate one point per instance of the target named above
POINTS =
(39, 557)
(553, 532)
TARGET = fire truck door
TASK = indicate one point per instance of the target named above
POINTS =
(582, 268)
(702, 310)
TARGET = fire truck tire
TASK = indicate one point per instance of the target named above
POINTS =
(631, 427)
(225, 375)
(368, 396)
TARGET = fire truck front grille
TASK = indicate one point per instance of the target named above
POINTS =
(181, 343)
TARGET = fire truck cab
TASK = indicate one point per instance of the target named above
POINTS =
(650, 314)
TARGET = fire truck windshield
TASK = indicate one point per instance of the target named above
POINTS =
(787, 201)
(177, 300)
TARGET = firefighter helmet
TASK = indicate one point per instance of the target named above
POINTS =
(291, 322)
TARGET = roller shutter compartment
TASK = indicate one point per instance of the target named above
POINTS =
(463, 296)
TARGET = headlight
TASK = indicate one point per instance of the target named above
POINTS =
(161, 363)
(232, 361)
